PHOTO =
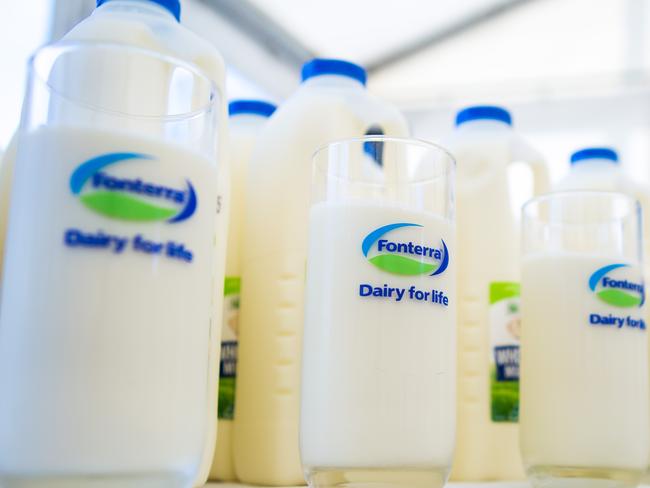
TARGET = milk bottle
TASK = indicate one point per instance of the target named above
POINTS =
(330, 104)
(247, 117)
(484, 146)
(154, 25)
(6, 178)
(598, 168)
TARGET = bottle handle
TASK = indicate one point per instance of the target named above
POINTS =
(524, 153)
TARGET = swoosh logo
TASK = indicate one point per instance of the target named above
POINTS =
(401, 265)
(85, 171)
(376, 234)
(189, 208)
(122, 206)
(612, 296)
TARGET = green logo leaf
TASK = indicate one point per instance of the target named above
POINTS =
(619, 298)
(401, 265)
(120, 206)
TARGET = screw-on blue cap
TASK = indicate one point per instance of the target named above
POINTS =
(483, 112)
(174, 6)
(253, 107)
(594, 153)
(320, 66)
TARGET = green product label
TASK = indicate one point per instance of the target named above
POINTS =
(229, 332)
(232, 286)
(226, 408)
(504, 319)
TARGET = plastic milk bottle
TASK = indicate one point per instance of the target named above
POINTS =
(331, 103)
(484, 146)
(247, 117)
(598, 168)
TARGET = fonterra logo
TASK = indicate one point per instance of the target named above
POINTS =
(126, 198)
(616, 291)
(404, 257)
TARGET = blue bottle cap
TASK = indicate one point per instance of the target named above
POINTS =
(174, 6)
(320, 67)
(594, 153)
(483, 112)
(253, 107)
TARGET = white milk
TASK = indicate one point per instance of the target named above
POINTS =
(324, 108)
(86, 385)
(488, 275)
(584, 394)
(246, 121)
(149, 25)
(378, 386)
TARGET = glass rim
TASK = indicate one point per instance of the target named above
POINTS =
(448, 165)
(412, 141)
(536, 201)
(35, 72)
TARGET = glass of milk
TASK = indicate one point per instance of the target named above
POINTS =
(106, 321)
(378, 375)
(584, 378)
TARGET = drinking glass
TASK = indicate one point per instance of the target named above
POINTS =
(584, 349)
(378, 375)
(106, 324)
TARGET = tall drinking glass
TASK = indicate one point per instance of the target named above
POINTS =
(378, 384)
(106, 318)
(584, 383)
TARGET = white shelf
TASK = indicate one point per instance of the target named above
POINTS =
(500, 484)
(496, 484)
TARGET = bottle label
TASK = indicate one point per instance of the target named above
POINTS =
(505, 327)
(228, 364)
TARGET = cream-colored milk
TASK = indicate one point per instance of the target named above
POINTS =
(323, 109)
(103, 359)
(487, 253)
(378, 385)
(244, 130)
(147, 25)
(585, 393)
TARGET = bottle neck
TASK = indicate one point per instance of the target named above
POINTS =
(336, 81)
(135, 6)
(592, 164)
(484, 125)
(247, 121)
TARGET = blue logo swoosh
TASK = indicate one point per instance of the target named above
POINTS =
(377, 233)
(445, 260)
(599, 273)
(85, 171)
(189, 208)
